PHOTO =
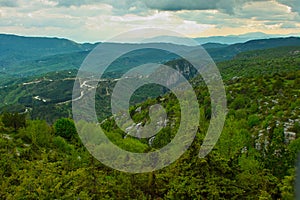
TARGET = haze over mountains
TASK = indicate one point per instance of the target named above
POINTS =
(229, 39)
(34, 70)
(26, 56)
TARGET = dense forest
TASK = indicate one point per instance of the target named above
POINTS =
(43, 157)
(48, 96)
(253, 159)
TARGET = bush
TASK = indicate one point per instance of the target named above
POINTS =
(14, 120)
(37, 132)
(61, 144)
(253, 120)
(239, 102)
(65, 128)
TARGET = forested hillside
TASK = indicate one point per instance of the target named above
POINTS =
(254, 157)
(42, 156)
(27, 56)
(49, 96)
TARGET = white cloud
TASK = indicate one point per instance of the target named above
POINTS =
(266, 10)
(94, 20)
(293, 4)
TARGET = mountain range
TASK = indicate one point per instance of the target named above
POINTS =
(27, 56)
(42, 155)
(229, 39)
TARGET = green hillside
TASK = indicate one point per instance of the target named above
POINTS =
(55, 88)
(42, 156)
(27, 56)
(15, 49)
(254, 157)
(229, 52)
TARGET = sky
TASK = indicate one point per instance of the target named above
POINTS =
(99, 20)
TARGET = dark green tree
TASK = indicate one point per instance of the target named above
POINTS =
(65, 128)
(14, 120)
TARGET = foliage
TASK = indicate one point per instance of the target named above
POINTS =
(14, 120)
(253, 159)
(65, 128)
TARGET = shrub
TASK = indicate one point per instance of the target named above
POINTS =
(253, 120)
(65, 128)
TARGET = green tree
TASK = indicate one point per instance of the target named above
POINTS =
(278, 84)
(253, 120)
(14, 120)
(37, 132)
(65, 128)
(238, 103)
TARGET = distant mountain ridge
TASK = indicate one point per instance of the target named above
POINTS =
(228, 40)
(26, 56)
(212, 45)
(228, 52)
(48, 45)
(232, 39)
(15, 48)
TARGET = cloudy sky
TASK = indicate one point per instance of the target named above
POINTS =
(98, 20)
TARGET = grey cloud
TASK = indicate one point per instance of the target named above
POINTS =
(68, 3)
(262, 16)
(219, 19)
(267, 12)
(8, 3)
(289, 25)
(120, 7)
(181, 5)
(294, 4)
(271, 23)
(123, 6)
(227, 6)
(41, 23)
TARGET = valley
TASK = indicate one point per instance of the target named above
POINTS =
(42, 154)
